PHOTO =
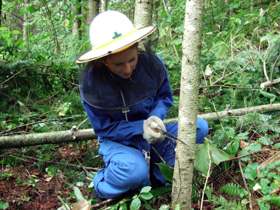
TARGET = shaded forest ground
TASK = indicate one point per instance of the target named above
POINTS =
(40, 177)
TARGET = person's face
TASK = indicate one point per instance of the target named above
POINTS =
(123, 63)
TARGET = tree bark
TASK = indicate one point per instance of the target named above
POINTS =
(103, 5)
(24, 28)
(93, 9)
(0, 12)
(87, 134)
(269, 83)
(46, 138)
(77, 21)
(143, 17)
(188, 107)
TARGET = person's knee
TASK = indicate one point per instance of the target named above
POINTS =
(129, 172)
(202, 130)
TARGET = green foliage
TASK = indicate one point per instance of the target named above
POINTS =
(39, 93)
(206, 154)
(221, 203)
(4, 205)
(234, 189)
(166, 171)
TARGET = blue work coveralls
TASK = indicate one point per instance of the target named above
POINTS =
(122, 145)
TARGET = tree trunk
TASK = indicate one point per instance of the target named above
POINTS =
(188, 107)
(93, 10)
(24, 28)
(103, 5)
(143, 17)
(77, 21)
(0, 12)
(87, 134)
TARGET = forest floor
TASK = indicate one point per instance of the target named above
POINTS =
(27, 185)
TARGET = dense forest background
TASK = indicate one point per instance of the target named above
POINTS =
(240, 68)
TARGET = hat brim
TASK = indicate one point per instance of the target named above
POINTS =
(116, 46)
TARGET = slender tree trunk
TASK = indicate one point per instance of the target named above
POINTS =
(93, 10)
(143, 17)
(0, 12)
(184, 162)
(24, 28)
(103, 5)
(75, 24)
(252, 5)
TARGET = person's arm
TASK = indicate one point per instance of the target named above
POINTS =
(105, 127)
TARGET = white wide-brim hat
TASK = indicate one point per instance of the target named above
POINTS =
(112, 32)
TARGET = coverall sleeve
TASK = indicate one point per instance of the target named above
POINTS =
(105, 127)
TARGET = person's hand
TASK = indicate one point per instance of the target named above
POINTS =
(151, 134)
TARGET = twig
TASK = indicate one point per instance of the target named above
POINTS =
(103, 203)
(46, 99)
(83, 167)
(42, 121)
(245, 184)
(223, 77)
(13, 76)
(265, 71)
(84, 121)
(54, 30)
(214, 106)
(64, 164)
(170, 33)
(61, 77)
(251, 153)
(159, 155)
(269, 83)
(207, 177)
(272, 71)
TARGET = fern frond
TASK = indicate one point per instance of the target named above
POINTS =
(220, 203)
(234, 189)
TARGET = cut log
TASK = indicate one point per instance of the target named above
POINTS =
(74, 135)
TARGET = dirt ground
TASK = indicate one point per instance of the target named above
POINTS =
(24, 186)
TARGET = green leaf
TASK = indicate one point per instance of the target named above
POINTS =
(232, 147)
(277, 145)
(164, 207)
(275, 199)
(161, 190)
(265, 188)
(145, 189)
(263, 141)
(202, 160)
(147, 196)
(166, 171)
(4, 205)
(271, 96)
(218, 155)
(16, 32)
(255, 147)
(251, 171)
(3, 28)
(135, 204)
(78, 194)
(202, 156)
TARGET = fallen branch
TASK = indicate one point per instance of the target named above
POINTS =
(75, 135)
(269, 83)
(235, 112)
